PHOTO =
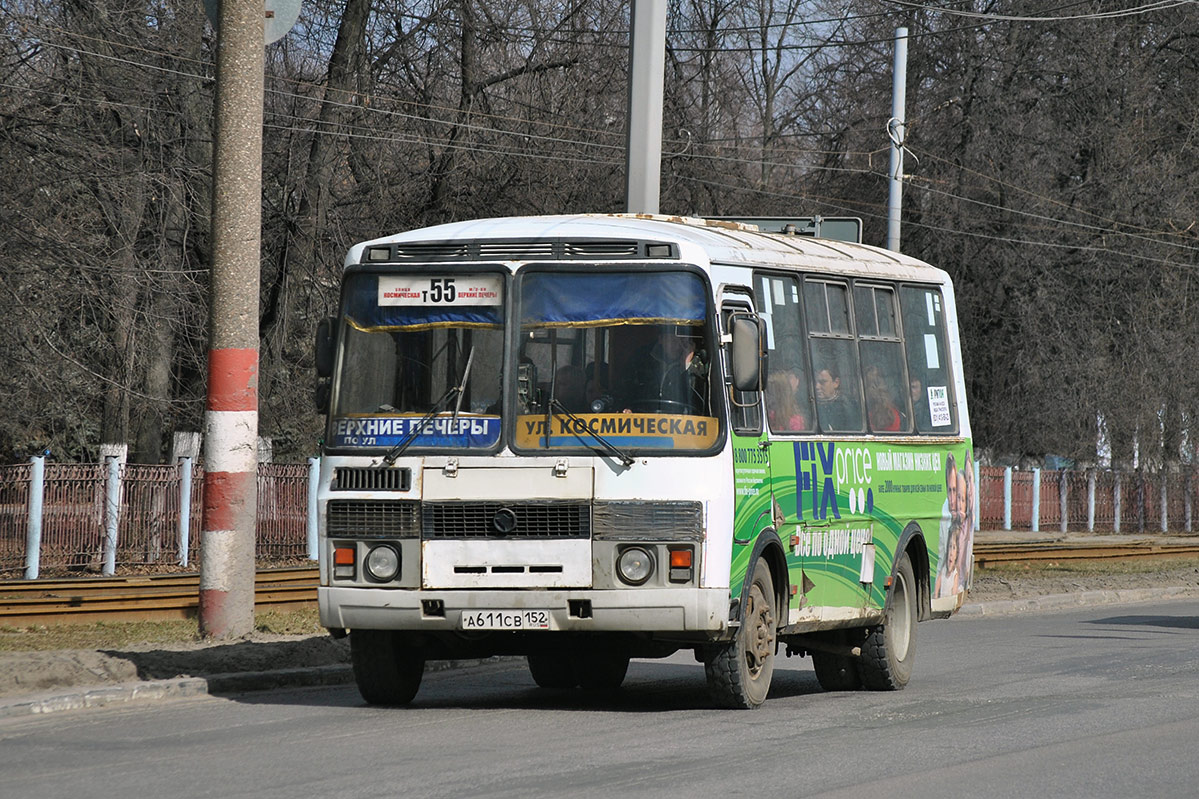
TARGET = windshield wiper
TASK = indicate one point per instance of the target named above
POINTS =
(437, 408)
(606, 448)
(455, 391)
(470, 359)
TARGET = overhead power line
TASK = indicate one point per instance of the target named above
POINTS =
(306, 125)
(1146, 8)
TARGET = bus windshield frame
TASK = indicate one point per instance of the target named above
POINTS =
(454, 316)
(625, 351)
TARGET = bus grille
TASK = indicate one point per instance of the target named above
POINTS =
(362, 518)
(505, 520)
(347, 478)
(648, 521)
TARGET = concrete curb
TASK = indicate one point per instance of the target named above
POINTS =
(180, 688)
(150, 690)
(1059, 602)
(213, 685)
(341, 674)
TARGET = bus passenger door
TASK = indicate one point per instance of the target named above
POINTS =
(752, 506)
(790, 415)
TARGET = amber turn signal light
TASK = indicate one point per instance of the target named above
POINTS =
(343, 563)
(680, 565)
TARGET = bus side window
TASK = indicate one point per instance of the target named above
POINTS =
(838, 386)
(886, 390)
(745, 411)
(788, 389)
(930, 386)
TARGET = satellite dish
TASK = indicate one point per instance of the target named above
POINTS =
(279, 17)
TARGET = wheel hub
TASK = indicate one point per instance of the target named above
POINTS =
(761, 646)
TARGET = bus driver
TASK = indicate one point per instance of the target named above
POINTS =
(669, 378)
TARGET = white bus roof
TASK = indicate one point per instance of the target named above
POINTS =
(699, 241)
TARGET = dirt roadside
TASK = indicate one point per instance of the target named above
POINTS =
(25, 673)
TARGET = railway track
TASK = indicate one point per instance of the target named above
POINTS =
(144, 597)
(1035, 552)
(175, 596)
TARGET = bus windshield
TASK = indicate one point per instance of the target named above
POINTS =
(623, 356)
(421, 362)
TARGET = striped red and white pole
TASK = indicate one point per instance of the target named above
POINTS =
(230, 494)
(231, 415)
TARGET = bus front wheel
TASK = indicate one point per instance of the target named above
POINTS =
(739, 672)
(387, 672)
(890, 648)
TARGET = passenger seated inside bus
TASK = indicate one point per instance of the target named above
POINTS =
(596, 387)
(835, 410)
(881, 409)
(920, 412)
(783, 408)
(570, 388)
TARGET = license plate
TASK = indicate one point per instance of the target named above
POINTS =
(505, 620)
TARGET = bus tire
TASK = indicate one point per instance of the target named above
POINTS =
(386, 671)
(739, 672)
(601, 671)
(890, 648)
(838, 672)
(554, 670)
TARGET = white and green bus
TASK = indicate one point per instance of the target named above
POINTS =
(584, 439)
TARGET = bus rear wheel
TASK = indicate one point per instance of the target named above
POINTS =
(601, 671)
(387, 672)
(554, 670)
(739, 672)
(890, 648)
(838, 672)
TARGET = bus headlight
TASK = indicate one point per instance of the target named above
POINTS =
(634, 565)
(382, 563)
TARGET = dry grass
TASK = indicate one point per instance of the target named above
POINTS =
(305, 622)
(1082, 568)
(109, 634)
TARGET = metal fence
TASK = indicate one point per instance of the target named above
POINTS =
(152, 530)
(282, 509)
(14, 513)
(1090, 500)
(80, 511)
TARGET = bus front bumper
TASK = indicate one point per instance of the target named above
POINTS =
(651, 610)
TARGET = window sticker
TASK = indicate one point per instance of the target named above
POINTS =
(779, 298)
(938, 406)
(930, 351)
(768, 318)
(928, 302)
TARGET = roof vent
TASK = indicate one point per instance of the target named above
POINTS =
(518, 250)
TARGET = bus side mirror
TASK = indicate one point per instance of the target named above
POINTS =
(326, 346)
(746, 354)
(320, 396)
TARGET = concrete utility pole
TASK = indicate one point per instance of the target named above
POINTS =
(646, 74)
(231, 416)
(895, 131)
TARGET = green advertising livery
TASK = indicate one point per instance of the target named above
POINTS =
(588, 439)
(842, 509)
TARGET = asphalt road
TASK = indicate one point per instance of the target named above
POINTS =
(1102, 702)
